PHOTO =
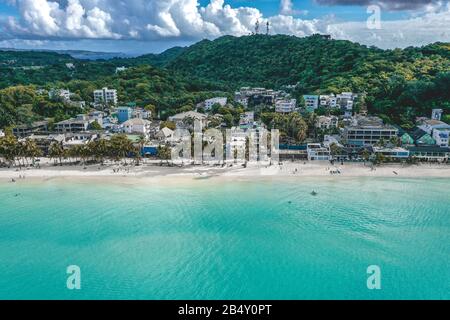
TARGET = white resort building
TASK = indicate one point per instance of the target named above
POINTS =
(367, 131)
(328, 101)
(59, 94)
(140, 126)
(440, 131)
(78, 124)
(105, 95)
(165, 134)
(211, 102)
(324, 122)
(285, 105)
(318, 152)
(392, 153)
(181, 119)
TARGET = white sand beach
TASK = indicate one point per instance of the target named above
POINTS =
(154, 170)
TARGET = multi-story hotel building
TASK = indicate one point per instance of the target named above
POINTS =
(105, 95)
(367, 131)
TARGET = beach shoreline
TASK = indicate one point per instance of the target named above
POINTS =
(154, 172)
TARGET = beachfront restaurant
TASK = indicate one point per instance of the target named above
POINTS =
(392, 153)
(430, 153)
(293, 152)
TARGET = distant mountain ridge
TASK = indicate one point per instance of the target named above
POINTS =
(77, 54)
(91, 55)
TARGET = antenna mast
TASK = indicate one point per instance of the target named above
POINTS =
(257, 27)
(268, 28)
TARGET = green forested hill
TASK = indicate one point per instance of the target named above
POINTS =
(19, 58)
(270, 60)
(43, 67)
(316, 63)
(145, 85)
(400, 84)
(157, 60)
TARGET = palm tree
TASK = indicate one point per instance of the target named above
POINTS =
(396, 141)
(291, 125)
(335, 150)
(9, 148)
(98, 149)
(380, 158)
(365, 155)
(102, 149)
(56, 151)
(164, 153)
(302, 130)
(311, 123)
(138, 153)
(31, 150)
(381, 143)
(2, 149)
(84, 152)
(20, 153)
(73, 153)
(121, 147)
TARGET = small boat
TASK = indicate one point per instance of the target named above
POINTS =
(396, 173)
(314, 193)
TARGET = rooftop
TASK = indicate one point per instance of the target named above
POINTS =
(136, 122)
(55, 137)
(433, 122)
(370, 122)
(418, 133)
(189, 114)
(34, 124)
(73, 121)
(434, 149)
(385, 149)
(166, 132)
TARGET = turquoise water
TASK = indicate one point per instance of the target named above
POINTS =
(226, 240)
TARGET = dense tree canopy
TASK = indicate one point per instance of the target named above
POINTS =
(399, 84)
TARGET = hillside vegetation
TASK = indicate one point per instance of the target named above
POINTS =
(399, 84)
(144, 85)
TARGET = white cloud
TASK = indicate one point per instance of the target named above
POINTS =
(135, 19)
(386, 4)
(45, 18)
(430, 27)
(287, 8)
(186, 20)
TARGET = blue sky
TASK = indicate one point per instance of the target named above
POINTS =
(347, 12)
(137, 26)
(7, 10)
(272, 7)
